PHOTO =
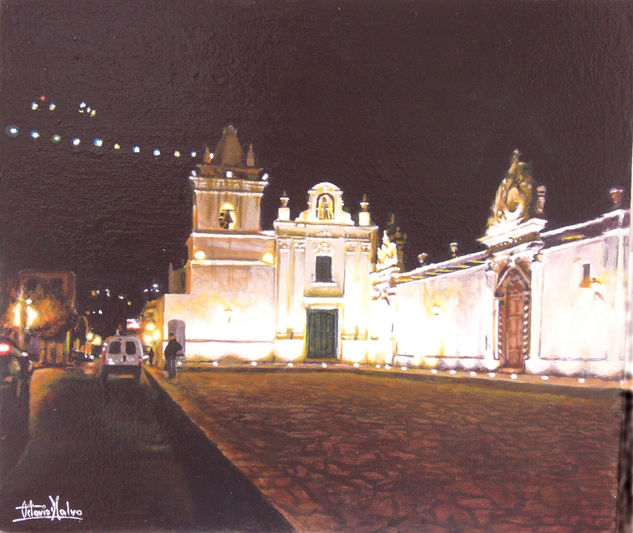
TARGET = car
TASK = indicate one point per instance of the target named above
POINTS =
(16, 366)
(122, 354)
(77, 356)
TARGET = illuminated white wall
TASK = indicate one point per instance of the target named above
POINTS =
(349, 292)
(445, 318)
(230, 313)
(582, 328)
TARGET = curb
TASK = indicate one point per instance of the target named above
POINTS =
(546, 381)
(186, 428)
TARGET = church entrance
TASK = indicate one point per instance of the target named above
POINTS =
(514, 307)
(322, 336)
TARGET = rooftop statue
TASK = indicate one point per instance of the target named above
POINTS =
(387, 253)
(514, 195)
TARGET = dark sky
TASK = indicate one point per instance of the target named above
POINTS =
(418, 104)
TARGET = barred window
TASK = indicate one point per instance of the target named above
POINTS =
(324, 268)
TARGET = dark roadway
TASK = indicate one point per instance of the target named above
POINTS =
(113, 454)
(332, 451)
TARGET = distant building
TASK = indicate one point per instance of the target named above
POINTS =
(51, 351)
(63, 281)
(320, 288)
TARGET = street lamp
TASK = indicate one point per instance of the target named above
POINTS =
(31, 316)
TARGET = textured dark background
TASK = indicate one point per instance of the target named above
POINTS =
(419, 104)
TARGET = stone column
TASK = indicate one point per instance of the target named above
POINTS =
(536, 307)
(350, 292)
(365, 288)
(297, 312)
(285, 282)
(492, 311)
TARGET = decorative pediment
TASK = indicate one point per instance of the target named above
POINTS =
(387, 254)
(325, 206)
(514, 196)
(517, 209)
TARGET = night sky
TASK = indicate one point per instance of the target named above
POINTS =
(417, 104)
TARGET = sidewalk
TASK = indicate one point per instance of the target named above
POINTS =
(344, 449)
(404, 371)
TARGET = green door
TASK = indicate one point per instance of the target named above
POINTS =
(322, 336)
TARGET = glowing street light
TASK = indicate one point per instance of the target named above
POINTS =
(31, 316)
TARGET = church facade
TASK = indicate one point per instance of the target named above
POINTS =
(320, 288)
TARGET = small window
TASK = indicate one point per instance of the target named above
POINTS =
(115, 347)
(227, 217)
(130, 347)
(324, 268)
(586, 272)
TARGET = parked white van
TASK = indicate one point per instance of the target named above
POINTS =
(122, 354)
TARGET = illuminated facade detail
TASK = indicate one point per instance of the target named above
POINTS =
(536, 302)
(317, 287)
(300, 291)
(227, 217)
(323, 281)
(513, 296)
(387, 253)
(226, 307)
(514, 195)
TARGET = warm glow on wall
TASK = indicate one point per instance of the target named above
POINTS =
(268, 258)
(31, 316)
(199, 255)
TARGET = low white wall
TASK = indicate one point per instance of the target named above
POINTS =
(444, 318)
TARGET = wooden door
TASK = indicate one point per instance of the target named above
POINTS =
(321, 333)
(513, 321)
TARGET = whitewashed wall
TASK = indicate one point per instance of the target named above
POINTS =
(582, 328)
(446, 318)
(246, 331)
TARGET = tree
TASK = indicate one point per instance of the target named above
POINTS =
(45, 311)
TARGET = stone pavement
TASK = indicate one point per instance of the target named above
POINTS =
(341, 450)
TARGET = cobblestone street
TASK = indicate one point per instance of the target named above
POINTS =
(338, 451)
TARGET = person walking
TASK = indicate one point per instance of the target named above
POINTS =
(150, 354)
(171, 351)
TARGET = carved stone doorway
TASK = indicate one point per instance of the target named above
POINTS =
(513, 293)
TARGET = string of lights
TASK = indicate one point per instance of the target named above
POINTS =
(14, 131)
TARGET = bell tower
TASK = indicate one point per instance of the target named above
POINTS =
(227, 188)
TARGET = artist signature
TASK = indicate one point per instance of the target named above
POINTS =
(54, 511)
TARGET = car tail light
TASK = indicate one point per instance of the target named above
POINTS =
(5, 348)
